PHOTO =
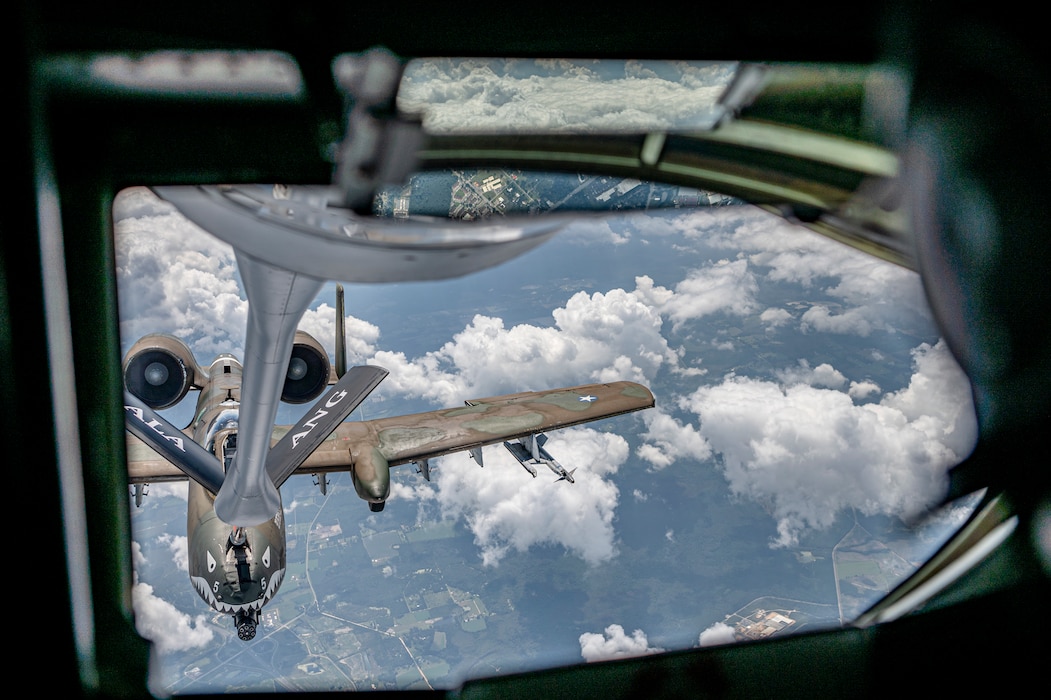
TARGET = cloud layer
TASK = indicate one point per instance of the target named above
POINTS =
(559, 95)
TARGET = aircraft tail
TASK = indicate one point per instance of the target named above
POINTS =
(341, 334)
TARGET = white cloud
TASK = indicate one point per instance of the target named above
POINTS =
(867, 294)
(596, 338)
(721, 287)
(852, 321)
(614, 643)
(559, 95)
(799, 445)
(360, 336)
(824, 375)
(718, 634)
(508, 510)
(808, 452)
(861, 390)
(667, 439)
(173, 277)
(178, 546)
(138, 559)
(775, 317)
(165, 625)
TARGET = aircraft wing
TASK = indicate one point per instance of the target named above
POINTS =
(420, 436)
(146, 466)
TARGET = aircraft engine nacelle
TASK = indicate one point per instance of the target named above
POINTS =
(159, 369)
(308, 370)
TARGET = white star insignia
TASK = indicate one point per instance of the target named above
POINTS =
(588, 398)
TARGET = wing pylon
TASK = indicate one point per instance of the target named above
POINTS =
(530, 453)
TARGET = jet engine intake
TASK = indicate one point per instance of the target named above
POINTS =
(160, 369)
(308, 370)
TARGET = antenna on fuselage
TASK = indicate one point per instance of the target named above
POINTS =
(341, 334)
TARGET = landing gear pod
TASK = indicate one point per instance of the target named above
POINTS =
(371, 474)
(308, 370)
(159, 370)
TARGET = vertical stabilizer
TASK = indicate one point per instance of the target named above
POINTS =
(341, 334)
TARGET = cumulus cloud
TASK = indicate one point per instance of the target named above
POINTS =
(615, 643)
(165, 625)
(861, 390)
(807, 452)
(668, 439)
(178, 546)
(507, 510)
(137, 557)
(718, 634)
(864, 294)
(721, 287)
(360, 336)
(824, 375)
(598, 337)
(561, 95)
(775, 317)
(173, 277)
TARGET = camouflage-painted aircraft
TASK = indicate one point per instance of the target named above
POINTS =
(237, 568)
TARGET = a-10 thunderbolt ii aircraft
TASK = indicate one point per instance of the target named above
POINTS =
(236, 459)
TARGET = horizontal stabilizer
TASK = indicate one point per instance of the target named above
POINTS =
(171, 443)
(318, 423)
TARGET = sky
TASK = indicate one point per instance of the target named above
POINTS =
(808, 437)
(804, 439)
